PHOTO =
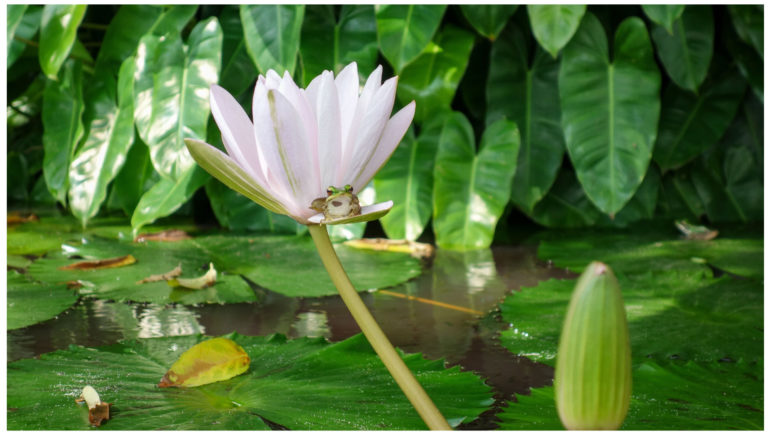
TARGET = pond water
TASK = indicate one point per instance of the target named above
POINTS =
(449, 311)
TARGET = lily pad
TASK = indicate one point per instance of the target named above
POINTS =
(30, 302)
(296, 384)
(671, 314)
(666, 397)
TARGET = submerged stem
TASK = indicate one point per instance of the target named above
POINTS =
(376, 337)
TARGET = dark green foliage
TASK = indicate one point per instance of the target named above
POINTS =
(101, 98)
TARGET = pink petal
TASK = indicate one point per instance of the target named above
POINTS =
(393, 133)
(329, 132)
(348, 85)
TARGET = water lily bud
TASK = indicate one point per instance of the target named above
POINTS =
(593, 374)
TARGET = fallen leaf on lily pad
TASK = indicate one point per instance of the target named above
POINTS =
(15, 218)
(171, 235)
(176, 272)
(204, 281)
(101, 263)
(217, 359)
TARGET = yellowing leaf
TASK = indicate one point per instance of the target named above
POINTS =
(217, 359)
(101, 264)
(204, 281)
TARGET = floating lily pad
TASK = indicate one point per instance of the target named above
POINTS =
(671, 314)
(297, 384)
(666, 397)
(31, 302)
(641, 251)
(18, 261)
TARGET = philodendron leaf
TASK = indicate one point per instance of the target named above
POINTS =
(212, 360)
(407, 180)
(30, 302)
(690, 123)
(171, 93)
(272, 34)
(664, 15)
(330, 42)
(686, 52)
(15, 13)
(471, 189)
(610, 130)
(133, 180)
(238, 71)
(123, 34)
(565, 205)
(666, 396)
(26, 29)
(404, 31)
(296, 384)
(488, 20)
(58, 30)
(62, 127)
(748, 21)
(166, 196)
(432, 78)
(528, 95)
(110, 136)
(554, 25)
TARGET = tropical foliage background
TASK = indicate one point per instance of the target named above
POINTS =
(565, 115)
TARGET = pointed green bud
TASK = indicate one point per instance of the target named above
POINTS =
(593, 374)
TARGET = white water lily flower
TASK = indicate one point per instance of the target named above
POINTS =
(300, 142)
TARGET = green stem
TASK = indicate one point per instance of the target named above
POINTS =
(376, 337)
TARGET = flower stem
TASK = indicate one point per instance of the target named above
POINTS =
(376, 337)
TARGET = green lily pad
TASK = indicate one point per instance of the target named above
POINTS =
(18, 261)
(652, 249)
(297, 384)
(30, 302)
(671, 314)
(666, 397)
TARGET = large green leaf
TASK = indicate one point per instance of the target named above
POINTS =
(610, 129)
(407, 180)
(702, 319)
(329, 42)
(237, 69)
(272, 34)
(686, 53)
(748, 61)
(58, 28)
(294, 384)
(166, 196)
(30, 302)
(404, 31)
(666, 396)
(62, 127)
(471, 190)
(110, 136)
(664, 15)
(488, 20)
(171, 93)
(14, 15)
(554, 25)
(690, 123)
(527, 94)
(748, 20)
(133, 180)
(123, 33)
(432, 78)
(26, 29)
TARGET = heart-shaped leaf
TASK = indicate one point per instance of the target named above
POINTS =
(664, 15)
(488, 20)
(405, 30)
(58, 30)
(133, 180)
(471, 190)
(15, 13)
(272, 34)
(554, 25)
(407, 180)
(30, 302)
(432, 78)
(62, 127)
(687, 51)
(329, 42)
(296, 384)
(748, 20)
(110, 136)
(237, 69)
(26, 28)
(690, 123)
(171, 93)
(528, 95)
(610, 129)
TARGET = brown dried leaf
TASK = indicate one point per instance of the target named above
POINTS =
(204, 281)
(99, 413)
(15, 218)
(164, 236)
(101, 264)
(176, 272)
(416, 249)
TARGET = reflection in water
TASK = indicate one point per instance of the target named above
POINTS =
(477, 280)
